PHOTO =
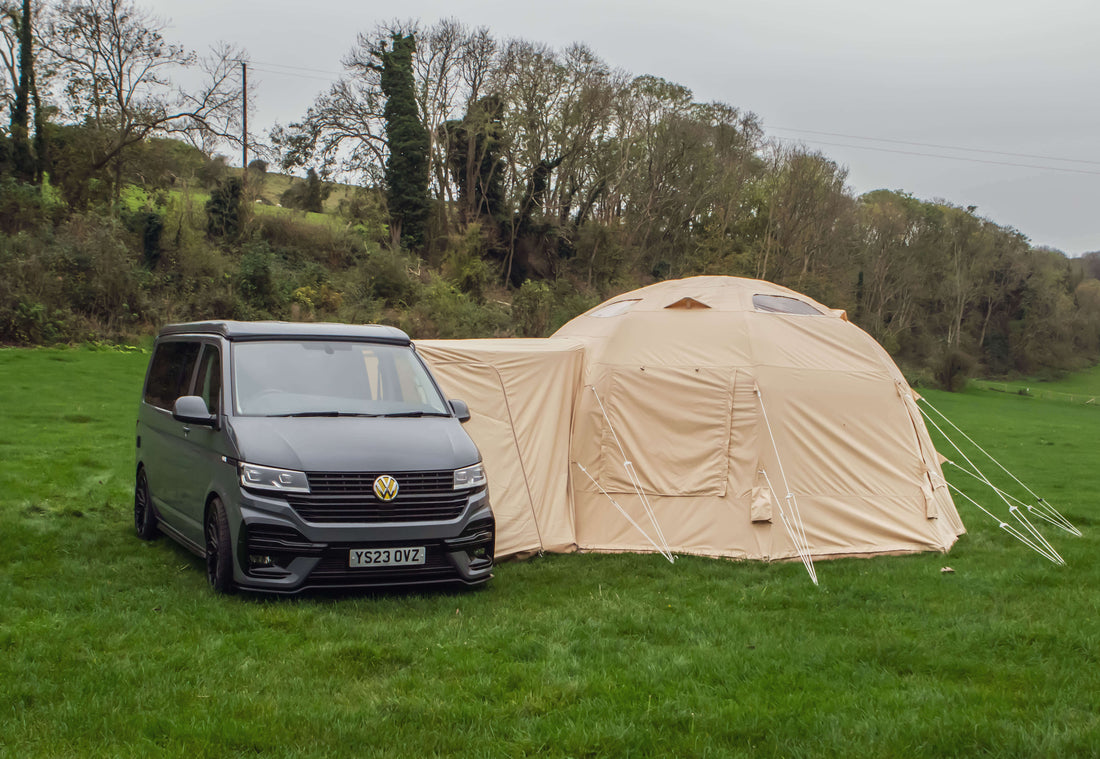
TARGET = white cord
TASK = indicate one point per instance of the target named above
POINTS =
(632, 473)
(1055, 519)
(1053, 556)
(800, 544)
(1041, 505)
(1015, 512)
(798, 531)
(622, 511)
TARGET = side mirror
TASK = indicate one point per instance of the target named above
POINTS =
(192, 409)
(461, 410)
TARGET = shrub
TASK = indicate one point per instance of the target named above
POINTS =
(224, 213)
(96, 259)
(307, 300)
(954, 370)
(301, 239)
(33, 323)
(445, 312)
(464, 263)
(531, 307)
(365, 208)
(386, 275)
(569, 301)
(25, 207)
(149, 226)
(309, 195)
(256, 280)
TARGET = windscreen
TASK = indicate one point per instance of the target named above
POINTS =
(331, 378)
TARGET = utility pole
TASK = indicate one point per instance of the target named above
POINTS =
(244, 119)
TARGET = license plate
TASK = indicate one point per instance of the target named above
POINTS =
(386, 557)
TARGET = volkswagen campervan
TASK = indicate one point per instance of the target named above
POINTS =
(294, 456)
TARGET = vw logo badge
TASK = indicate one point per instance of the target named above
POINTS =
(385, 487)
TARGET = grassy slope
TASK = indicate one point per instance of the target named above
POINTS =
(273, 187)
(111, 646)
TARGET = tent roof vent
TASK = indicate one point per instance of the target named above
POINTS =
(687, 304)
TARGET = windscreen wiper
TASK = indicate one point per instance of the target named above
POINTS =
(322, 413)
(415, 413)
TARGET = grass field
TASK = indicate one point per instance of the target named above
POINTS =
(1082, 387)
(114, 647)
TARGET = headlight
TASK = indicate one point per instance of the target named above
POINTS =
(266, 478)
(470, 477)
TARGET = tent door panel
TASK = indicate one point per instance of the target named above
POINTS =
(673, 425)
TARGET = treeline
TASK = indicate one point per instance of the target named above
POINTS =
(504, 186)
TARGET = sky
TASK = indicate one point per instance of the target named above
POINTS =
(986, 103)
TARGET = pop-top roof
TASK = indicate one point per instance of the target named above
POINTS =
(272, 330)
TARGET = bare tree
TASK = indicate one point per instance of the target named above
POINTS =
(9, 56)
(345, 130)
(118, 68)
(811, 224)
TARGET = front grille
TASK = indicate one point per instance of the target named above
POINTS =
(349, 497)
(333, 570)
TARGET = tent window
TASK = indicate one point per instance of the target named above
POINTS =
(615, 309)
(781, 304)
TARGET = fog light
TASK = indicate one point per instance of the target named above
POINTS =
(259, 561)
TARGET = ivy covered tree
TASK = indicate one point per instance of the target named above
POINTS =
(22, 158)
(474, 157)
(406, 174)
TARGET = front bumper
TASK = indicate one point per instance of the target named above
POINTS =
(276, 551)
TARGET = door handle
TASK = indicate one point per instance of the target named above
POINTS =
(186, 430)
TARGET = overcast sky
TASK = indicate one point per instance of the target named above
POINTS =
(890, 90)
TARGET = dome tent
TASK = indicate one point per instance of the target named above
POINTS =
(716, 416)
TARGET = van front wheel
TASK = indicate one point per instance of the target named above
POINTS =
(145, 521)
(219, 551)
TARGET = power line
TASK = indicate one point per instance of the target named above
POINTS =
(296, 68)
(289, 70)
(946, 157)
(291, 73)
(933, 145)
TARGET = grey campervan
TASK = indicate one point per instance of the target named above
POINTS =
(295, 456)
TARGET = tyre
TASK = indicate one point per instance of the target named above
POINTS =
(145, 521)
(219, 549)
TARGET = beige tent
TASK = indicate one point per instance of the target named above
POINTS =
(714, 415)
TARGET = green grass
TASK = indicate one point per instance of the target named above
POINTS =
(114, 647)
(134, 198)
(1082, 387)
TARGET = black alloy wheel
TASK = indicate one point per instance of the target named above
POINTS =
(219, 551)
(145, 521)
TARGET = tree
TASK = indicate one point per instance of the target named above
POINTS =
(346, 128)
(117, 66)
(22, 154)
(473, 149)
(9, 53)
(407, 162)
(224, 210)
(309, 195)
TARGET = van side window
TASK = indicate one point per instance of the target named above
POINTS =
(170, 373)
(209, 383)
